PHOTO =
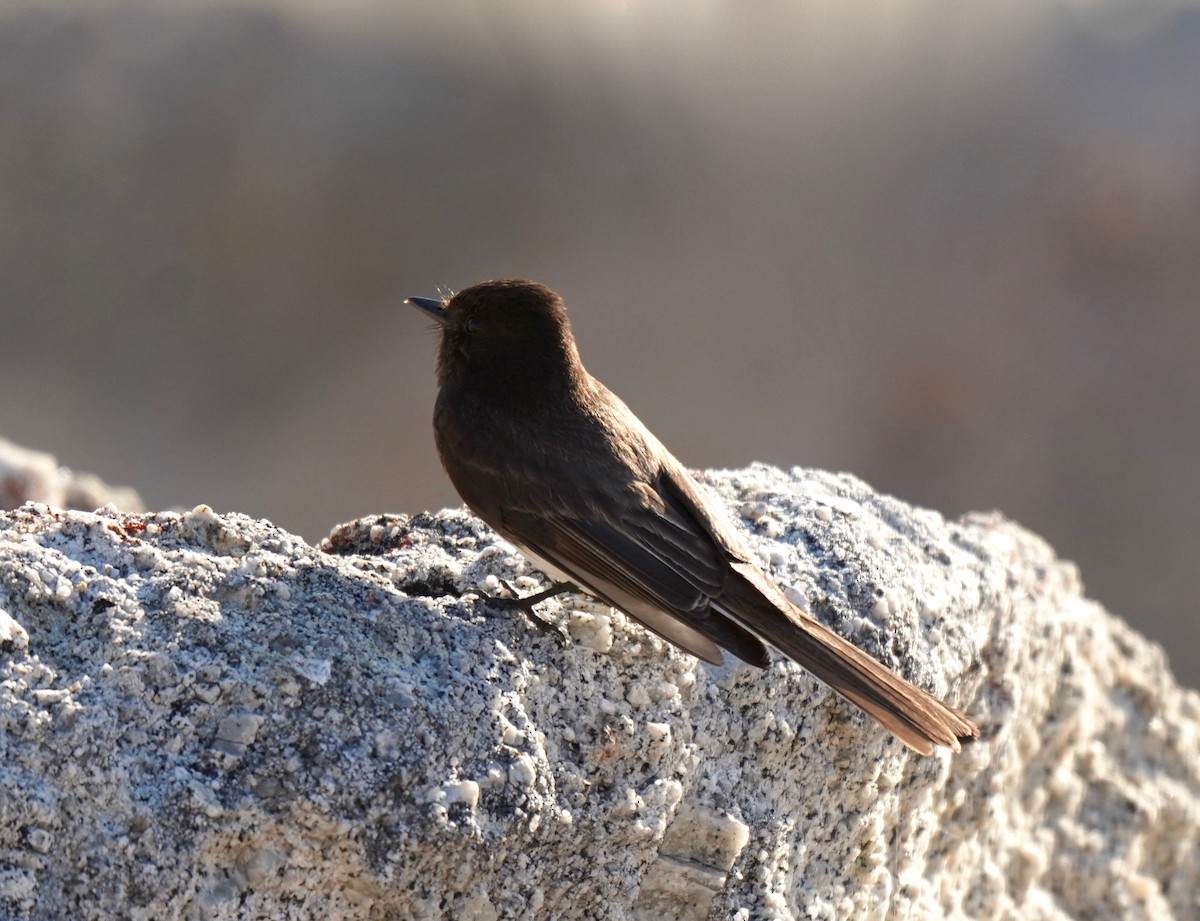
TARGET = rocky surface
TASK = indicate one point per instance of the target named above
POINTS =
(202, 716)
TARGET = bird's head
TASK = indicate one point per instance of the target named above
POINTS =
(503, 335)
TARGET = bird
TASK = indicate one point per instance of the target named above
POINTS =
(559, 466)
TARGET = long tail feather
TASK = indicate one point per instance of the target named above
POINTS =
(915, 717)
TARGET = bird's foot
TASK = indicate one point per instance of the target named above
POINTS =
(525, 606)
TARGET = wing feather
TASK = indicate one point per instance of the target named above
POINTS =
(627, 574)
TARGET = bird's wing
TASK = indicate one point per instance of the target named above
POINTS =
(657, 567)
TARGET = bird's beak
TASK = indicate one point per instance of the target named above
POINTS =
(429, 305)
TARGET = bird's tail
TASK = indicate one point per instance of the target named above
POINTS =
(915, 717)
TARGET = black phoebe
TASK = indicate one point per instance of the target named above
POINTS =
(553, 461)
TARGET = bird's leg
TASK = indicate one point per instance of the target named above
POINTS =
(525, 605)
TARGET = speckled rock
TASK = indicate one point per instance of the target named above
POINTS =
(203, 717)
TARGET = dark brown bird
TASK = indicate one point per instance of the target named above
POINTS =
(557, 464)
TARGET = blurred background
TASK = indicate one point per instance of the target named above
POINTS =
(951, 248)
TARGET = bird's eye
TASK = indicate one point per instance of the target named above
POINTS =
(474, 324)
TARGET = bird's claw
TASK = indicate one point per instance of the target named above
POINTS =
(526, 606)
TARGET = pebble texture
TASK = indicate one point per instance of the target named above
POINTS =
(203, 717)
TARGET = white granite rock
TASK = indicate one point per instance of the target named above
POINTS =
(201, 716)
